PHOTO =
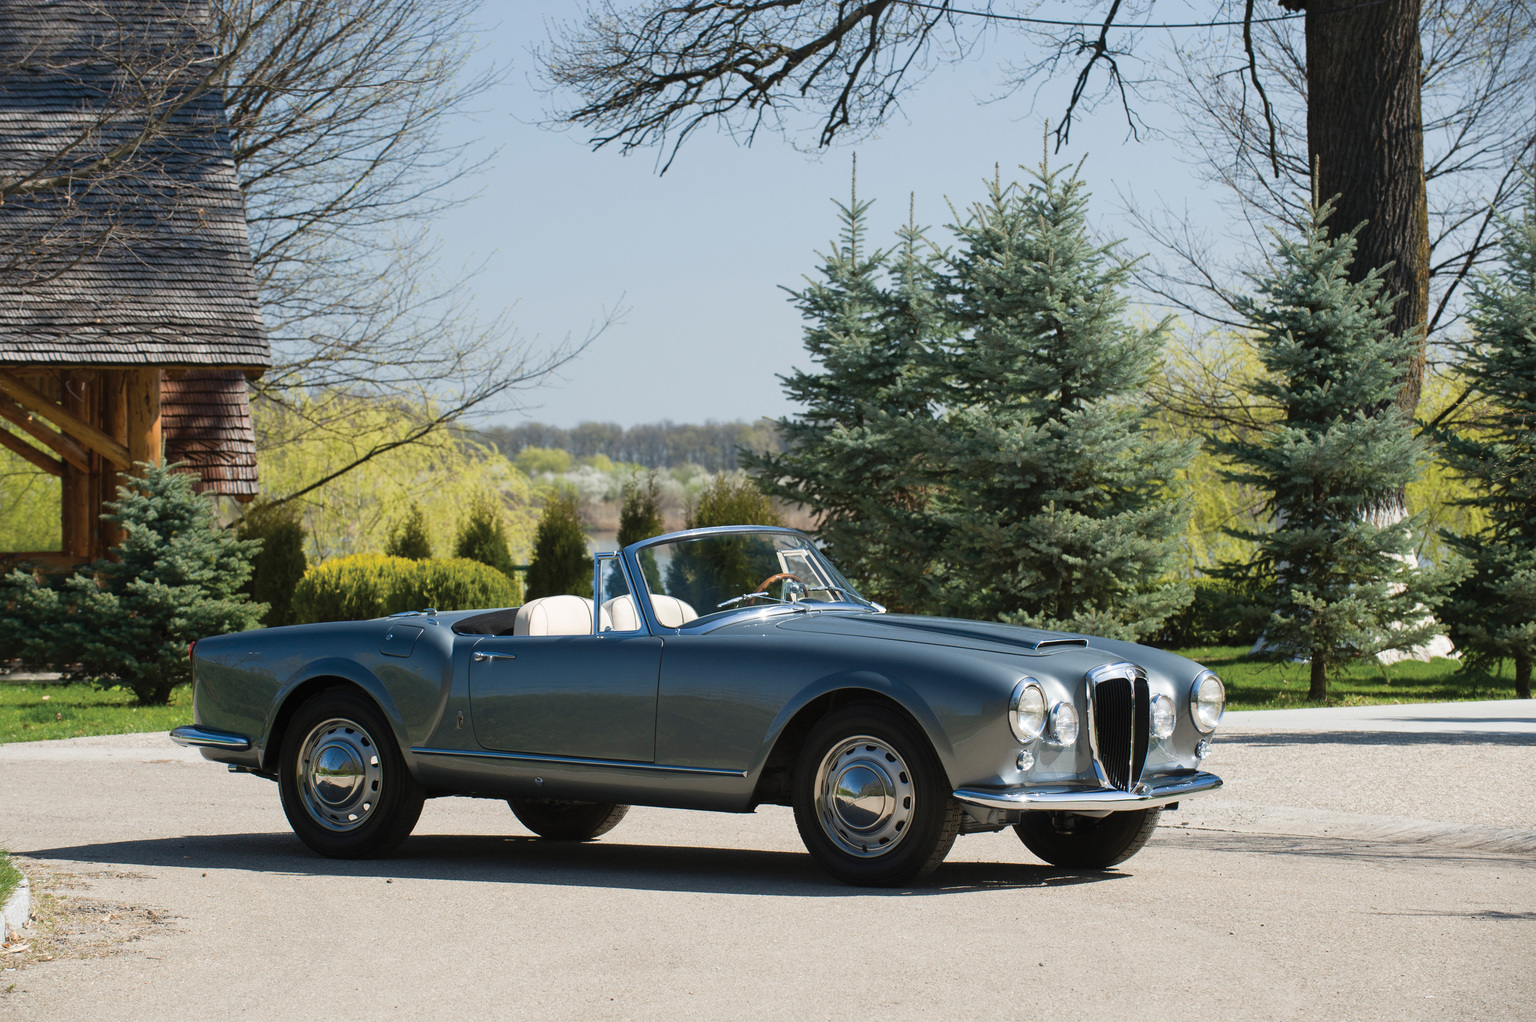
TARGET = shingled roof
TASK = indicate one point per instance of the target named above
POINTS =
(150, 264)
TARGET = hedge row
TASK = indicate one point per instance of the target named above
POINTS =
(373, 585)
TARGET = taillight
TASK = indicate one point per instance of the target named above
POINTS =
(190, 647)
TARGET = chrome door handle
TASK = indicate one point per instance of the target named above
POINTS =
(481, 658)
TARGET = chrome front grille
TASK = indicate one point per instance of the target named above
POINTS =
(1120, 705)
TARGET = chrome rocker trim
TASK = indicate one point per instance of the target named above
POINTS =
(525, 757)
(1146, 795)
(209, 738)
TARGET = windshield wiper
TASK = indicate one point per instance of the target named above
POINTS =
(746, 596)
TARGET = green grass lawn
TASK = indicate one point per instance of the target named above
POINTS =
(1256, 685)
(32, 712)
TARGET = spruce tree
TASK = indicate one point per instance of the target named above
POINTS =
(1056, 499)
(1339, 566)
(1493, 610)
(851, 457)
(176, 577)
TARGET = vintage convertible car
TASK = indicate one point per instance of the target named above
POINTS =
(723, 669)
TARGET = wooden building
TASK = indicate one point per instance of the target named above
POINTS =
(129, 320)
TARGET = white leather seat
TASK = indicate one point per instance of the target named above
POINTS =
(621, 609)
(670, 612)
(557, 615)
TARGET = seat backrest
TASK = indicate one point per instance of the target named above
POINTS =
(670, 612)
(621, 609)
(556, 615)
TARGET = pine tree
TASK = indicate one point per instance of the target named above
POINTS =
(1341, 571)
(1493, 610)
(561, 564)
(850, 456)
(410, 539)
(175, 578)
(1056, 498)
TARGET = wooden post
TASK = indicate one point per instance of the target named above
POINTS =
(114, 422)
(142, 394)
(75, 512)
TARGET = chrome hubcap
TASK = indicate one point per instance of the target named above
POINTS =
(864, 796)
(340, 775)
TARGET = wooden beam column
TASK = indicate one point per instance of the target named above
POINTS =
(114, 423)
(76, 519)
(142, 395)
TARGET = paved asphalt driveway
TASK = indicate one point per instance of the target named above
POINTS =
(1360, 864)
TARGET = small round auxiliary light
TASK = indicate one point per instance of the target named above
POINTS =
(1026, 759)
(1203, 749)
(1162, 717)
(1063, 728)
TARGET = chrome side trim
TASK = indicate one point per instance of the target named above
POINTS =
(1155, 792)
(209, 738)
(525, 757)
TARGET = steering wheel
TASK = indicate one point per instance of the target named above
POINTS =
(770, 580)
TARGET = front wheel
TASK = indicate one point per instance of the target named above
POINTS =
(1076, 841)
(871, 799)
(567, 821)
(345, 787)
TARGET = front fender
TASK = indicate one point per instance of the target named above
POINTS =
(303, 681)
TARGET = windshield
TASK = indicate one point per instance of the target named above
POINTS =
(702, 576)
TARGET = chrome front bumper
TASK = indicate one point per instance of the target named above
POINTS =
(1156, 792)
(209, 738)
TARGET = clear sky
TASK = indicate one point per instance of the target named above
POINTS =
(697, 256)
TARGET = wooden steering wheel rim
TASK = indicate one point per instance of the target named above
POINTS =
(770, 580)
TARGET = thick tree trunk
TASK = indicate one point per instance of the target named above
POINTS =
(1522, 677)
(1365, 137)
(1317, 690)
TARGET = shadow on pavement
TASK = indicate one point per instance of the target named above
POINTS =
(1277, 738)
(528, 860)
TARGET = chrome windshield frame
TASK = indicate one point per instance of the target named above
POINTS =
(715, 619)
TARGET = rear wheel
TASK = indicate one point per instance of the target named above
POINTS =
(871, 799)
(345, 787)
(1087, 842)
(567, 821)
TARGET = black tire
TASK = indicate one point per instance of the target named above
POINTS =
(1086, 842)
(567, 821)
(902, 823)
(367, 802)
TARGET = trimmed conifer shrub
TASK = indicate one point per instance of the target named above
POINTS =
(281, 561)
(1339, 567)
(732, 498)
(1493, 610)
(410, 539)
(561, 564)
(176, 577)
(640, 511)
(366, 586)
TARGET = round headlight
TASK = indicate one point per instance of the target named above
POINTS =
(1026, 710)
(1162, 717)
(1207, 699)
(1063, 724)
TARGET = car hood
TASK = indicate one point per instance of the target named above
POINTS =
(937, 631)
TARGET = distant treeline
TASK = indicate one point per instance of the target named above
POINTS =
(712, 446)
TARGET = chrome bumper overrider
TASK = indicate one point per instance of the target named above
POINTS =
(1155, 792)
(209, 738)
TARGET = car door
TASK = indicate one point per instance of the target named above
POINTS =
(584, 696)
